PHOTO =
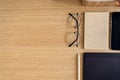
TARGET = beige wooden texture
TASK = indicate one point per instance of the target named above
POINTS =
(96, 33)
(99, 2)
(32, 39)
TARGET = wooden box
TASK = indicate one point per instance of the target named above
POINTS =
(99, 2)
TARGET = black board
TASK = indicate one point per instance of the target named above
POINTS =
(101, 66)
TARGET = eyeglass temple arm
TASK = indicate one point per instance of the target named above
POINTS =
(77, 30)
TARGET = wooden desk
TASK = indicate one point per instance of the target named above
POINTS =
(32, 45)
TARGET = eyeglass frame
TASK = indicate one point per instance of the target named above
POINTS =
(77, 29)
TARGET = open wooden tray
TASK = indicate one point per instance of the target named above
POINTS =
(99, 3)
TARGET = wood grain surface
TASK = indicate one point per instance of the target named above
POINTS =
(100, 2)
(32, 39)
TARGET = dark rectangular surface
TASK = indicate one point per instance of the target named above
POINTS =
(115, 37)
(101, 66)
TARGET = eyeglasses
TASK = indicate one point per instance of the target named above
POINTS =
(74, 22)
